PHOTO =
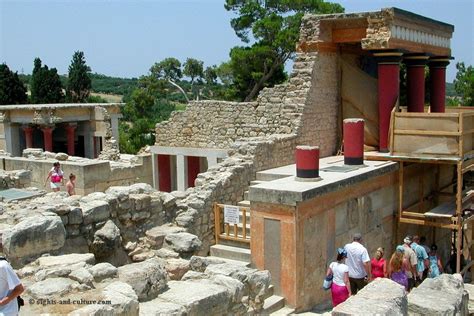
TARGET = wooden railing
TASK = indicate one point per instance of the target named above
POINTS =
(231, 223)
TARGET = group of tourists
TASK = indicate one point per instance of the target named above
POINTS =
(409, 265)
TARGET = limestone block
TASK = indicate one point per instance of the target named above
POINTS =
(61, 156)
(53, 272)
(470, 289)
(95, 211)
(235, 288)
(176, 268)
(141, 201)
(158, 307)
(75, 216)
(443, 295)
(33, 236)
(102, 271)
(93, 310)
(202, 297)
(123, 297)
(156, 235)
(183, 243)
(106, 240)
(148, 278)
(54, 287)
(82, 276)
(66, 260)
(380, 297)
(199, 264)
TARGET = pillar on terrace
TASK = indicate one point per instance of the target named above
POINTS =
(28, 136)
(70, 129)
(438, 82)
(388, 91)
(416, 82)
(48, 138)
(164, 173)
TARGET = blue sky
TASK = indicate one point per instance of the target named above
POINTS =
(125, 37)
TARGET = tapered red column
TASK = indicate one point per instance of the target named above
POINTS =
(70, 129)
(438, 83)
(193, 170)
(416, 82)
(388, 91)
(28, 136)
(164, 173)
(48, 138)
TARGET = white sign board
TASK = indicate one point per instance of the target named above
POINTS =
(231, 214)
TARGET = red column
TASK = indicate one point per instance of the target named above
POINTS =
(307, 161)
(416, 82)
(164, 173)
(193, 169)
(28, 136)
(70, 128)
(388, 91)
(48, 138)
(438, 83)
(353, 130)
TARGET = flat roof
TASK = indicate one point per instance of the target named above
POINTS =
(56, 106)
(285, 189)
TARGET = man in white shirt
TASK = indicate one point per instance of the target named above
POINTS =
(10, 289)
(358, 262)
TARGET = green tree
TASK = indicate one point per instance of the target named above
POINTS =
(169, 69)
(79, 82)
(12, 90)
(210, 75)
(194, 69)
(45, 84)
(274, 25)
(464, 83)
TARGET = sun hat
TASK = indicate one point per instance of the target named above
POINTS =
(342, 251)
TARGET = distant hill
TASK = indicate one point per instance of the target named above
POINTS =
(101, 84)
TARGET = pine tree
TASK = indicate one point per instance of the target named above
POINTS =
(45, 84)
(12, 90)
(79, 82)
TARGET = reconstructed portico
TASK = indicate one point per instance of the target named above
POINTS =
(76, 129)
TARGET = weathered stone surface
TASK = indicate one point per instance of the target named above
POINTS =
(470, 289)
(61, 156)
(380, 297)
(33, 236)
(159, 307)
(75, 216)
(198, 263)
(176, 268)
(166, 253)
(443, 295)
(148, 278)
(194, 275)
(53, 272)
(95, 211)
(123, 297)
(234, 287)
(183, 242)
(93, 310)
(106, 240)
(201, 298)
(66, 260)
(156, 235)
(82, 275)
(52, 287)
(102, 271)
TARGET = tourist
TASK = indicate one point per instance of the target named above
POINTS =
(71, 184)
(435, 267)
(56, 177)
(340, 288)
(410, 256)
(378, 266)
(358, 262)
(10, 289)
(421, 257)
(427, 249)
(398, 266)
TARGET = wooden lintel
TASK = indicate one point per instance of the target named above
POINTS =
(426, 223)
(351, 35)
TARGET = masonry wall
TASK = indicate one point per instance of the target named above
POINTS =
(91, 176)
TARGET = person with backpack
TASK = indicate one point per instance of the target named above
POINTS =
(340, 288)
(422, 258)
(10, 289)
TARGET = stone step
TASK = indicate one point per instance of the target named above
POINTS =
(230, 252)
(273, 304)
(237, 262)
(234, 243)
(255, 182)
(246, 195)
(285, 310)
